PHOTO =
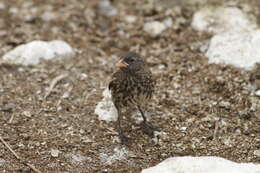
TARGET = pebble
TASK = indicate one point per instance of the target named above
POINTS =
(168, 22)
(2, 6)
(105, 8)
(130, 19)
(55, 153)
(48, 16)
(76, 158)
(2, 161)
(27, 114)
(225, 104)
(154, 28)
(257, 153)
(257, 93)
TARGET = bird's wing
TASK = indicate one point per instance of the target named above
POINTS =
(111, 84)
(114, 81)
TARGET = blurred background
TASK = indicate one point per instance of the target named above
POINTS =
(202, 107)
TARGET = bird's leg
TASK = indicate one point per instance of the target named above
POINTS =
(147, 127)
(122, 137)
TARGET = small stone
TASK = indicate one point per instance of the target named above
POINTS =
(183, 129)
(2, 6)
(81, 131)
(227, 141)
(106, 109)
(3, 33)
(83, 76)
(2, 162)
(196, 91)
(76, 158)
(257, 93)
(86, 139)
(203, 48)
(159, 137)
(161, 66)
(13, 10)
(48, 16)
(257, 153)
(118, 154)
(224, 104)
(20, 69)
(66, 95)
(55, 153)
(168, 22)
(154, 28)
(130, 19)
(27, 113)
(105, 8)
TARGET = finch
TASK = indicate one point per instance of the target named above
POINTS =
(132, 86)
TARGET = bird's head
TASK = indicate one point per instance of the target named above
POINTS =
(130, 62)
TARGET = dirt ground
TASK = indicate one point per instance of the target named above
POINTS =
(203, 109)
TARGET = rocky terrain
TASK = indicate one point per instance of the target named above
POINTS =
(202, 108)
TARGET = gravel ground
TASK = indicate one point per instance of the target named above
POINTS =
(201, 109)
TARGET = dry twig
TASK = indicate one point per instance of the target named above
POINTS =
(17, 157)
(11, 119)
(53, 83)
(216, 129)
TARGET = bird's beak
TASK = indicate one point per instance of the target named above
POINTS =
(121, 64)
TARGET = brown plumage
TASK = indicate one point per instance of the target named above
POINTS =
(132, 86)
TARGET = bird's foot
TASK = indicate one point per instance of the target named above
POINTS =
(148, 129)
(124, 139)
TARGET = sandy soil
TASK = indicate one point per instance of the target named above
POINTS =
(203, 109)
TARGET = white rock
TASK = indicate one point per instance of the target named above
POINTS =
(130, 19)
(183, 129)
(2, 162)
(2, 5)
(31, 53)
(66, 95)
(105, 109)
(257, 93)
(257, 153)
(105, 8)
(55, 153)
(222, 19)
(48, 16)
(117, 155)
(241, 49)
(13, 10)
(202, 165)
(154, 28)
(168, 22)
(76, 158)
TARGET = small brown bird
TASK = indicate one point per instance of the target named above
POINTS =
(132, 86)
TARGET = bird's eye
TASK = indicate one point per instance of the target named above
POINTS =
(131, 60)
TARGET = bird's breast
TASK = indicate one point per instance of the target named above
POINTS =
(129, 91)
